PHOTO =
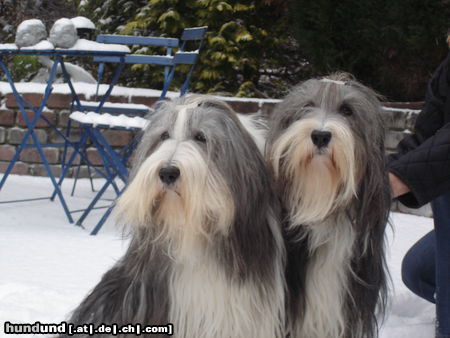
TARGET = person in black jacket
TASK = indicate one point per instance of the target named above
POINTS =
(419, 173)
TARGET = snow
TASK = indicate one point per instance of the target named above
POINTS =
(83, 44)
(8, 46)
(109, 120)
(105, 21)
(47, 265)
(189, 52)
(31, 23)
(82, 88)
(42, 45)
(63, 33)
(82, 22)
(408, 315)
(116, 105)
(7, 28)
(30, 32)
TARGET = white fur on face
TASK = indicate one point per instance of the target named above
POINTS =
(320, 181)
(186, 211)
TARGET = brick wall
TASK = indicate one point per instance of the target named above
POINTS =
(13, 129)
(399, 117)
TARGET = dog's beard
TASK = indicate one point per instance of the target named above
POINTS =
(316, 182)
(195, 208)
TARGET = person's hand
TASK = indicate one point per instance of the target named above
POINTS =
(398, 188)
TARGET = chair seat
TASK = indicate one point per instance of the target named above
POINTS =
(115, 108)
(109, 121)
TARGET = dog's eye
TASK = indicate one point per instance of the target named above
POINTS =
(309, 104)
(164, 136)
(346, 110)
(200, 137)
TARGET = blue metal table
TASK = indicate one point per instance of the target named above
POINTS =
(58, 56)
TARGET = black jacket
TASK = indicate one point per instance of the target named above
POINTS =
(423, 158)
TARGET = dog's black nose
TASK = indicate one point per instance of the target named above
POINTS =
(168, 175)
(320, 138)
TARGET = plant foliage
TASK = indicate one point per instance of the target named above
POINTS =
(248, 49)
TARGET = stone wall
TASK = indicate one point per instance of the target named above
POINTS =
(399, 117)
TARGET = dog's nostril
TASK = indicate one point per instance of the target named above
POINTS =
(169, 175)
(321, 138)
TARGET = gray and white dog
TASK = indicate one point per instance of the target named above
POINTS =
(326, 150)
(206, 253)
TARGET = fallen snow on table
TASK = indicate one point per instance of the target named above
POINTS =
(88, 45)
(42, 45)
(48, 265)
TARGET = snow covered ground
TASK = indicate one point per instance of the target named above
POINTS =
(47, 265)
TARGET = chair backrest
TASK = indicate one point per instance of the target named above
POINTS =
(169, 60)
(195, 35)
(138, 40)
(162, 60)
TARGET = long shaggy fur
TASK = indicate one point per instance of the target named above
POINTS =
(336, 204)
(206, 254)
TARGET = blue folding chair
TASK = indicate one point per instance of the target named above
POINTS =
(117, 108)
(115, 163)
(30, 135)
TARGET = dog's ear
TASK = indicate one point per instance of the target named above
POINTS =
(371, 217)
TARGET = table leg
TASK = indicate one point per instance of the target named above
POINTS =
(31, 126)
(126, 151)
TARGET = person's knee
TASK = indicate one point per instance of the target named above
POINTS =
(418, 268)
(411, 272)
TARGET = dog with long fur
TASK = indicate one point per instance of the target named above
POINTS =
(206, 252)
(326, 151)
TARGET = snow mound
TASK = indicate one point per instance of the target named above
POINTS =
(63, 33)
(82, 22)
(30, 32)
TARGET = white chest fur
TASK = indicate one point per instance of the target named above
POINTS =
(331, 245)
(206, 303)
